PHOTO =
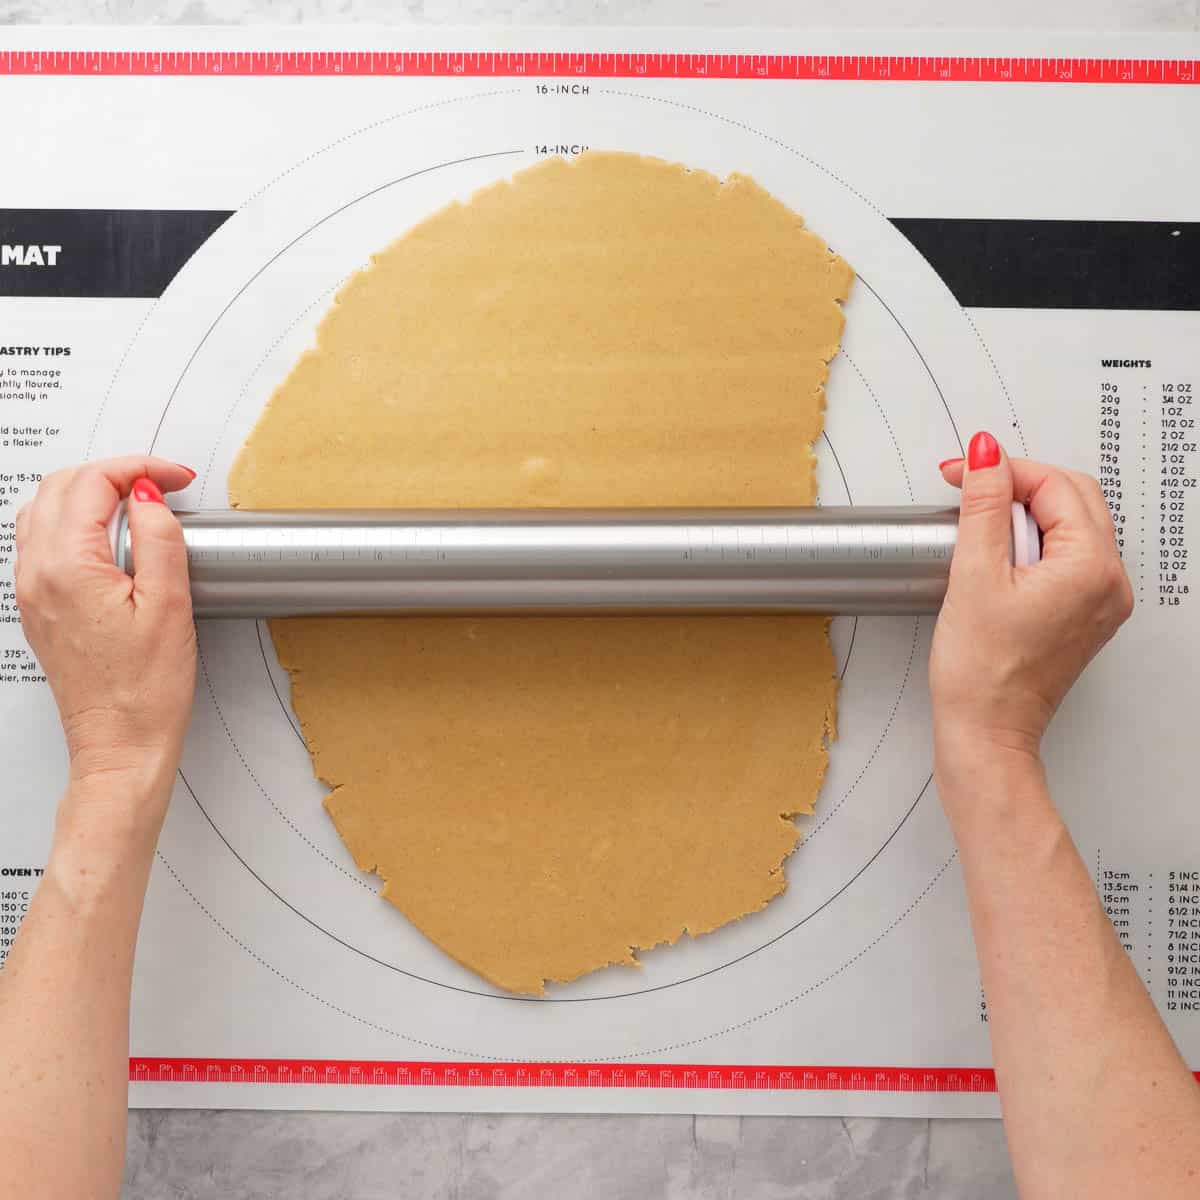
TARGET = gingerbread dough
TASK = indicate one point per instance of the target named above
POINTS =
(546, 796)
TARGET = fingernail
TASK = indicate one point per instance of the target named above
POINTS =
(947, 461)
(984, 451)
(146, 490)
(191, 473)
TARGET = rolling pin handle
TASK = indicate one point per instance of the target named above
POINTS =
(118, 529)
(1026, 537)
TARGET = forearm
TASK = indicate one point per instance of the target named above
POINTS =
(1096, 1100)
(64, 999)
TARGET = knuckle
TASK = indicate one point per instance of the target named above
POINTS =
(1115, 576)
(1093, 491)
(1112, 592)
(29, 587)
(1060, 481)
(1124, 600)
(1101, 583)
(1125, 607)
(979, 502)
(55, 578)
(51, 481)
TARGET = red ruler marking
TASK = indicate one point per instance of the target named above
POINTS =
(560, 64)
(655, 1076)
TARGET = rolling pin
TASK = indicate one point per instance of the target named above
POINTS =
(837, 560)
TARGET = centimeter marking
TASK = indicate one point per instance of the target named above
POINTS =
(631, 65)
(655, 1076)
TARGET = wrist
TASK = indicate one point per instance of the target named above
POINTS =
(987, 778)
(117, 808)
(120, 740)
(965, 744)
(109, 771)
(104, 840)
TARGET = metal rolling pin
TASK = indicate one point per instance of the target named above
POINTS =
(570, 561)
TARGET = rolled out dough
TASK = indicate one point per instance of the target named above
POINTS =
(544, 797)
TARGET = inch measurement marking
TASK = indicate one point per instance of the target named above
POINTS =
(632, 65)
(666, 546)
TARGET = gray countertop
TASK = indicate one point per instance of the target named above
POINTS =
(245, 1155)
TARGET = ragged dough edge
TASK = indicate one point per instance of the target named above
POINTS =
(775, 875)
(731, 183)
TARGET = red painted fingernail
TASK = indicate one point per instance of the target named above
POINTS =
(948, 461)
(146, 490)
(189, 470)
(984, 451)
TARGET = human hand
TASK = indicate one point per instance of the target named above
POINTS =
(1010, 641)
(119, 653)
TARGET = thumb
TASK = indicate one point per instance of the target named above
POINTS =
(160, 574)
(985, 511)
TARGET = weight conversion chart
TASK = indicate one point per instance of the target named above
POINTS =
(178, 209)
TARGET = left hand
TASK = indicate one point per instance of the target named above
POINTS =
(119, 652)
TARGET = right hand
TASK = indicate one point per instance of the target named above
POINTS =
(1010, 641)
(119, 653)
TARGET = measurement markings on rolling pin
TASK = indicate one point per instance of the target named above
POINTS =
(775, 543)
(750, 543)
(802, 545)
(702, 560)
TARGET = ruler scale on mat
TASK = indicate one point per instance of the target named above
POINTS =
(628, 65)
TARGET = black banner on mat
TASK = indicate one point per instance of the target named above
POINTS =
(986, 263)
(1062, 264)
(122, 253)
